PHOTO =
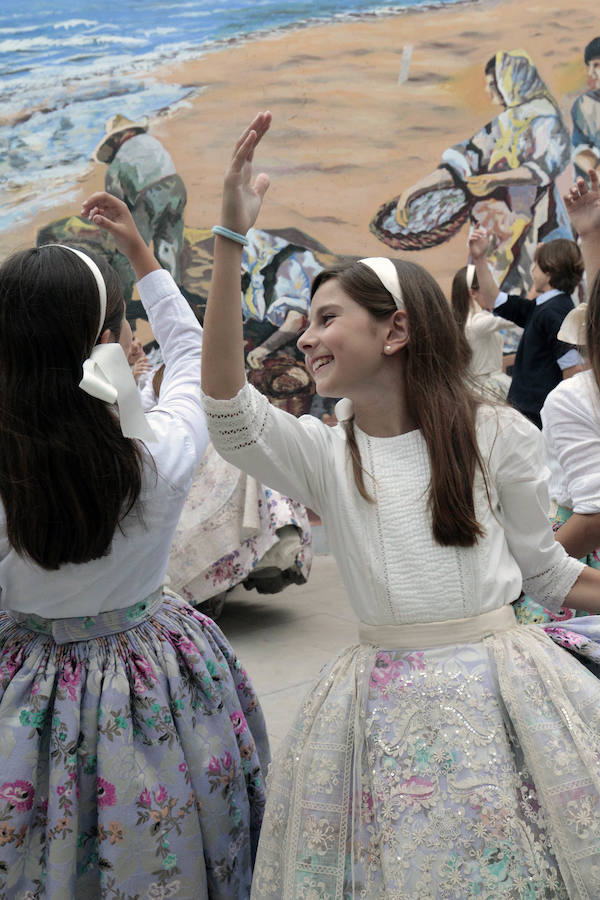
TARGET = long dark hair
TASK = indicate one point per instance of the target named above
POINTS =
(437, 396)
(460, 296)
(67, 475)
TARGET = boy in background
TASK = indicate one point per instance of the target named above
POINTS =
(541, 361)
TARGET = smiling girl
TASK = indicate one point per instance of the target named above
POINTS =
(448, 753)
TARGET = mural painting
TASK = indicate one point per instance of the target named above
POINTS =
(369, 102)
(502, 177)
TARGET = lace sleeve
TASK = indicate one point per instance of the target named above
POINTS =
(552, 586)
(292, 456)
(236, 423)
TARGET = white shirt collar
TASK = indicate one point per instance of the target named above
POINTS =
(547, 295)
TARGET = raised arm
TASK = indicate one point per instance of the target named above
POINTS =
(111, 214)
(223, 371)
(174, 325)
(583, 207)
(478, 243)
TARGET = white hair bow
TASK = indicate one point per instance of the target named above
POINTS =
(572, 330)
(106, 373)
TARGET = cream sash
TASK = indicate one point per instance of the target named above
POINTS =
(427, 635)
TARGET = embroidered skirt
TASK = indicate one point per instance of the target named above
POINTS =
(132, 751)
(464, 770)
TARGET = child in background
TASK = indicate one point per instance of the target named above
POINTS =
(571, 427)
(450, 752)
(481, 330)
(132, 746)
(233, 530)
(137, 359)
(541, 360)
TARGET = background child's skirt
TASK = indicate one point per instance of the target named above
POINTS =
(439, 774)
(132, 751)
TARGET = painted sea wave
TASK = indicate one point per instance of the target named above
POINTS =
(65, 68)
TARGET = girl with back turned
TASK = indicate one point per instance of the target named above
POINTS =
(131, 742)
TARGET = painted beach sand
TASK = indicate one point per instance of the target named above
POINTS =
(363, 109)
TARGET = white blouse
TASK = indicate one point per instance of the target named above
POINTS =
(392, 568)
(481, 331)
(137, 562)
(571, 434)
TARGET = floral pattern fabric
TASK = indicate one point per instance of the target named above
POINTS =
(228, 524)
(443, 774)
(132, 751)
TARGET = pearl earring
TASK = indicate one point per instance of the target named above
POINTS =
(387, 347)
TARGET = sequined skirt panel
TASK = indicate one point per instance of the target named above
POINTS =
(444, 774)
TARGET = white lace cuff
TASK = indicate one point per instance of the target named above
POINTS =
(552, 586)
(238, 422)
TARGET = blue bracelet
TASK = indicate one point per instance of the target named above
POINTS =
(228, 233)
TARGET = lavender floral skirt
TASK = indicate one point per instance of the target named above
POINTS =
(464, 771)
(132, 752)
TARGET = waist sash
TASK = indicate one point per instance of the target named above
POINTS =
(425, 636)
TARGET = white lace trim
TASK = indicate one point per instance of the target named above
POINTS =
(238, 422)
(552, 586)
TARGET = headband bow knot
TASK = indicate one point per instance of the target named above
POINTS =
(106, 372)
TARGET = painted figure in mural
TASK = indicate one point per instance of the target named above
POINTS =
(585, 113)
(276, 283)
(503, 176)
(142, 173)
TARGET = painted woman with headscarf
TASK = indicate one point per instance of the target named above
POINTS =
(507, 169)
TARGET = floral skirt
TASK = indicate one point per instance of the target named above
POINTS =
(439, 774)
(230, 529)
(132, 751)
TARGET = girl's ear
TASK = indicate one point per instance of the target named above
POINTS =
(107, 337)
(396, 337)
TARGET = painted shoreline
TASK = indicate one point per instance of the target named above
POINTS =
(346, 136)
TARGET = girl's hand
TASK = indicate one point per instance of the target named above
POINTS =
(242, 199)
(140, 367)
(583, 205)
(112, 215)
(478, 243)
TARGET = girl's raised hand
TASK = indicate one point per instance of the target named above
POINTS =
(478, 243)
(583, 205)
(113, 215)
(242, 198)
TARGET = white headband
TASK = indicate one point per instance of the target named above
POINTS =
(470, 275)
(107, 375)
(386, 271)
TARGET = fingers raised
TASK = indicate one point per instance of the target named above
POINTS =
(250, 137)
